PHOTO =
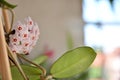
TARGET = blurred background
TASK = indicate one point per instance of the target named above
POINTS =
(67, 24)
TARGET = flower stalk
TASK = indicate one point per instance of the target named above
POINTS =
(38, 66)
(14, 60)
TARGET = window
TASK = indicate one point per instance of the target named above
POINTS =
(102, 24)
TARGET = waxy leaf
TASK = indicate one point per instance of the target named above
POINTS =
(40, 59)
(73, 62)
(9, 5)
(32, 73)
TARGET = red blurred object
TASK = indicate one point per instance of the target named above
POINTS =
(48, 52)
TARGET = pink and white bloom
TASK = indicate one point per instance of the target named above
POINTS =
(25, 37)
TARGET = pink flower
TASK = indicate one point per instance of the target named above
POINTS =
(25, 37)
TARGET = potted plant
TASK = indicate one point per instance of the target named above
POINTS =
(18, 41)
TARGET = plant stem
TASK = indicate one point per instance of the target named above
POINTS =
(17, 63)
(6, 20)
(40, 67)
(8, 26)
(13, 16)
(49, 77)
(19, 59)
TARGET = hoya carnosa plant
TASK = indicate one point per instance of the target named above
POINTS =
(24, 37)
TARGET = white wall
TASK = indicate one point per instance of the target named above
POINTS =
(54, 18)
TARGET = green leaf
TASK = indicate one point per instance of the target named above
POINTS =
(73, 62)
(9, 5)
(40, 59)
(33, 73)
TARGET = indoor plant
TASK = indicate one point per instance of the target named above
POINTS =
(22, 37)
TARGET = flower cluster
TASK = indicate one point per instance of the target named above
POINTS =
(25, 36)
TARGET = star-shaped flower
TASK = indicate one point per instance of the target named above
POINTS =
(25, 36)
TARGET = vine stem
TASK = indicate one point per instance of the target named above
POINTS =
(40, 67)
(6, 20)
(49, 77)
(16, 63)
(13, 17)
